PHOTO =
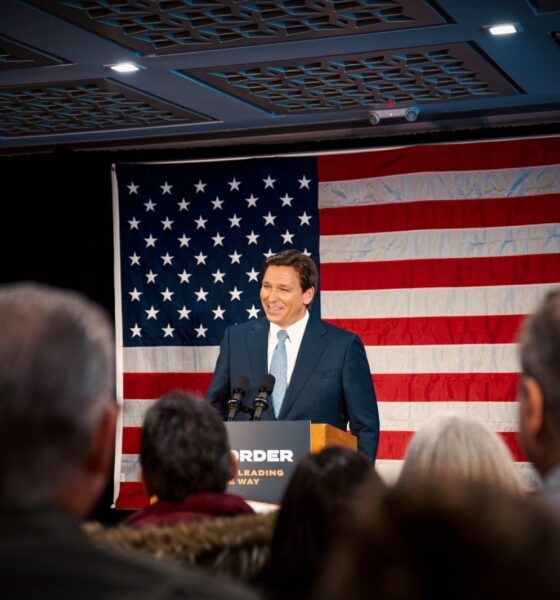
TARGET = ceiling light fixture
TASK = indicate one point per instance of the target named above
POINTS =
(125, 67)
(502, 29)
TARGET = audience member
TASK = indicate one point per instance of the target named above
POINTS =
(186, 463)
(452, 446)
(539, 394)
(56, 439)
(455, 540)
(312, 515)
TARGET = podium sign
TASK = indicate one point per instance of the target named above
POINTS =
(267, 452)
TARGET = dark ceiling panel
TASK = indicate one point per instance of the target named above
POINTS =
(240, 72)
(14, 55)
(81, 106)
(177, 26)
(406, 76)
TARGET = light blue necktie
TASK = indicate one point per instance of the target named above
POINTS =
(279, 368)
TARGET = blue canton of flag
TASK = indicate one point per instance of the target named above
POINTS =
(194, 237)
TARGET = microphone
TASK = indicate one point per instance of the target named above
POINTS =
(260, 403)
(234, 403)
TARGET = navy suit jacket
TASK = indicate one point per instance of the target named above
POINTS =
(331, 381)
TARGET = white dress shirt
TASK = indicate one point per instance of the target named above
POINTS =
(295, 335)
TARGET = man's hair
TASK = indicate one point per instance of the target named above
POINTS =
(303, 264)
(457, 447)
(184, 448)
(540, 351)
(56, 375)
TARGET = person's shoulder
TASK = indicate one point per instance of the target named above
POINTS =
(337, 332)
(142, 577)
(250, 325)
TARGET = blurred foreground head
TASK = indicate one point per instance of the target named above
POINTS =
(457, 447)
(539, 385)
(56, 398)
(466, 542)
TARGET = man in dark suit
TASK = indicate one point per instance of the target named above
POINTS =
(327, 373)
(57, 434)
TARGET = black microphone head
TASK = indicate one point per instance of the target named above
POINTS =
(242, 383)
(267, 383)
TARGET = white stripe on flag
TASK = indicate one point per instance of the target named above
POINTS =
(441, 302)
(170, 359)
(463, 185)
(456, 358)
(454, 243)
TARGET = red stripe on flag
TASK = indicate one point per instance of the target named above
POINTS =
(408, 387)
(131, 440)
(451, 157)
(441, 272)
(146, 386)
(445, 387)
(432, 214)
(393, 444)
(496, 329)
(131, 496)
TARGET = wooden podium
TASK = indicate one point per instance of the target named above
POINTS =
(323, 435)
(268, 451)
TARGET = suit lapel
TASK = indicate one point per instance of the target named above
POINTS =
(312, 346)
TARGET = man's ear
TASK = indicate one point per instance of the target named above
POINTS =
(234, 466)
(100, 456)
(308, 296)
(532, 406)
(80, 491)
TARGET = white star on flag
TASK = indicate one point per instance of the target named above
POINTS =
(304, 182)
(132, 188)
(201, 295)
(234, 185)
(168, 331)
(184, 312)
(201, 331)
(152, 312)
(165, 188)
(167, 295)
(218, 313)
(253, 312)
(269, 182)
(184, 276)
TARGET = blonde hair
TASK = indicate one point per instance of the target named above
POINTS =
(456, 447)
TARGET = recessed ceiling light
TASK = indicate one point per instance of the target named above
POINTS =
(125, 67)
(502, 29)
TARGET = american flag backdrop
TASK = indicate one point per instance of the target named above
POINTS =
(431, 254)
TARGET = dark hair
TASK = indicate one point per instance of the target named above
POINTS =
(303, 264)
(467, 542)
(313, 510)
(184, 448)
(540, 351)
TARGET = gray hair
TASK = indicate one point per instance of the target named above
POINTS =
(539, 351)
(56, 375)
(456, 447)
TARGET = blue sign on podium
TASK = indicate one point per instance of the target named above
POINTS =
(267, 452)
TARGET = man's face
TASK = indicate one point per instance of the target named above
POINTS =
(283, 300)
